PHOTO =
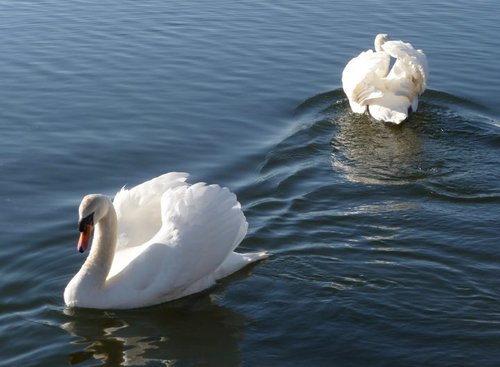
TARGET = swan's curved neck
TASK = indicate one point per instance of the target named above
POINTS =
(96, 268)
(379, 41)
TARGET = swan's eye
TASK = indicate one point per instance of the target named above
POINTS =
(84, 222)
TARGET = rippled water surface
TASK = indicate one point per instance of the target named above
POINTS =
(384, 240)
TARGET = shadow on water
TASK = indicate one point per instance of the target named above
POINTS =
(194, 330)
(191, 331)
(334, 164)
(373, 153)
(447, 138)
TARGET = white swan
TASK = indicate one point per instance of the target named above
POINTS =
(161, 240)
(388, 95)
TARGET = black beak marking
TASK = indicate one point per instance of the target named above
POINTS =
(84, 222)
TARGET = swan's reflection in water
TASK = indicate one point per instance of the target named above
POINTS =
(195, 331)
(377, 153)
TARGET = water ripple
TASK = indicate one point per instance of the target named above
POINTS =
(379, 221)
(384, 239)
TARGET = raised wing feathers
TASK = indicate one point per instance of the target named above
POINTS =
(201, 226)
(138, 208)
(411, 63)
(360, 75)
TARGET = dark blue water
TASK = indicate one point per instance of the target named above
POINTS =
(384, 239)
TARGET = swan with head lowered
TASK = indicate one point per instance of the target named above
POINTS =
(387, 94)
(161, 240)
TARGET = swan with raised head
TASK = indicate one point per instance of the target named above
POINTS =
(161, 240)
(387, 94)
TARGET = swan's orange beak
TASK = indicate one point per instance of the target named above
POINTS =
(83, 242)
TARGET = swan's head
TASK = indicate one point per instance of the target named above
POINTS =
(380, 39)
(92, 209)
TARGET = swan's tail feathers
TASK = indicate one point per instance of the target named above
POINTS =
(251, 257)
(236, 261)
(139, 208)
(389, 114)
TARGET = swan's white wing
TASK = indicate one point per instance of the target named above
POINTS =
(138, 208)
(361, 78)
(201, 225)
(209, 224)
(411, 64)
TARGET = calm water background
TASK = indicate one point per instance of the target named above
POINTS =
(384, 239)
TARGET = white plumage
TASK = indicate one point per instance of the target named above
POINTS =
(386, 94)
(161, 240)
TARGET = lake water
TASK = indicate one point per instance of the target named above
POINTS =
(384, 240)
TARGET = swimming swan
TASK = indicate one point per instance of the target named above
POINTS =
(159, 241)
(387, 95)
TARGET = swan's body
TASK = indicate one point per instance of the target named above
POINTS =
(159, 241)
(387, 94)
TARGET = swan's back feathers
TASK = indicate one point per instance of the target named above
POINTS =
(138, 208)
